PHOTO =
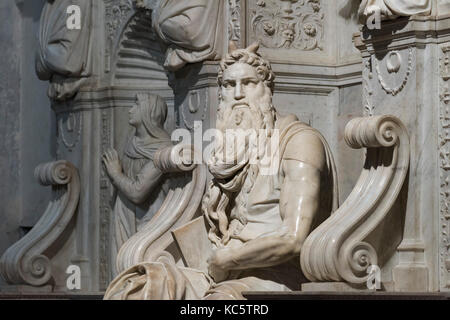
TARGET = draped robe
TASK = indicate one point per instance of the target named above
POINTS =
(164, 279)
(64, 55)
(192, 30)
(394, 8)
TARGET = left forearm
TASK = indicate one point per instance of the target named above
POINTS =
(258, 253)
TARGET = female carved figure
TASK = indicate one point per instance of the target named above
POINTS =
(138, 198)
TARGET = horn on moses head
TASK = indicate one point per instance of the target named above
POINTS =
(253, 47)
(232, 46)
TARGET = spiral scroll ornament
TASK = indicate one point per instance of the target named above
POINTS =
(25, 261)
(339, 249)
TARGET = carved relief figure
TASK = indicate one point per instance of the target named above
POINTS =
(289, 24)
(391, 9)
(141, 186)
(257, 222)
(192, 30)
(64, 54)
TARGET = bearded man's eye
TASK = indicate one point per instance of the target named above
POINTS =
(229, 84)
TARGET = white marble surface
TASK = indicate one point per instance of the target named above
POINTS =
(320, 76)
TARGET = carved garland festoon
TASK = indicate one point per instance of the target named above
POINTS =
(338, 250)
(395, 68)
(26, 261)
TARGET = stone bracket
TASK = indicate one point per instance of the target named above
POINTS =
(26, 262)
(339, 249)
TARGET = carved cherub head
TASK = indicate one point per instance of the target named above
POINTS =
(288, 34)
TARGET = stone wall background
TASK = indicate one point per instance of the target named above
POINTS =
(27, 125)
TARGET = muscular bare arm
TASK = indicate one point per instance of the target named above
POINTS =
(302, 164)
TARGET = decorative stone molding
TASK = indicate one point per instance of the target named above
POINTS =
(197, 98)
(394, 62)
(289, 24)
(69, 131)
(105, 200)
(234, 22)
(367, 76)
(444, 167)
(26, 262)
(116, 12)
(338, 249)
(179, 207)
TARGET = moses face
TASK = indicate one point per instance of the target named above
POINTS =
(245, 98)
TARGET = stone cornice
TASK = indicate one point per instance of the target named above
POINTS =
(402, 32)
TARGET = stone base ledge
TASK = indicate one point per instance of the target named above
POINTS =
(362, 295)
(24, 289)
(50, 296)
(332, 287)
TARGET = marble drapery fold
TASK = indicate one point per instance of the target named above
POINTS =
(64, 54)
(192, 30)
(161, 280)
(393, 8)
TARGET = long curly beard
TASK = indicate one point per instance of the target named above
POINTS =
(230, 161)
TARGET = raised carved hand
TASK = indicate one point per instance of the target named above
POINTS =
(112, 163)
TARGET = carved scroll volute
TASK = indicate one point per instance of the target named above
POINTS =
(338, 250)
(25, 262)
(178, 208)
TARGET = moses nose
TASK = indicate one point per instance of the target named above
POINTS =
(238, 93)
